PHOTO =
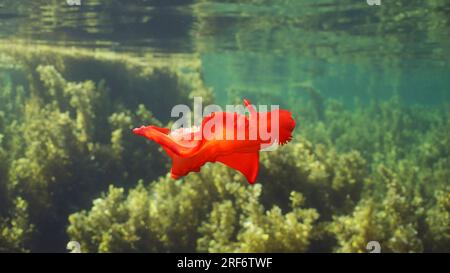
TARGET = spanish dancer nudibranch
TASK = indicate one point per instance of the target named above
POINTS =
(230, 138)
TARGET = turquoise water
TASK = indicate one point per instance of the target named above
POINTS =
(345, 48)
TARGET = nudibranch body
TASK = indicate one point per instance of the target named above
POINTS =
(230, 138)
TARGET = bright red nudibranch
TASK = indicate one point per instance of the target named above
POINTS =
(235, 144)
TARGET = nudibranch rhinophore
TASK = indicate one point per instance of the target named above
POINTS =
(230, 138)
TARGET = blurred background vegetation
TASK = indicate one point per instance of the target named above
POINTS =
(368, 86)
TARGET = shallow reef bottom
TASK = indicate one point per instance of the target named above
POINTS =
(71, 170)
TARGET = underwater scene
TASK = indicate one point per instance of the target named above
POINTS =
(367, 83)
